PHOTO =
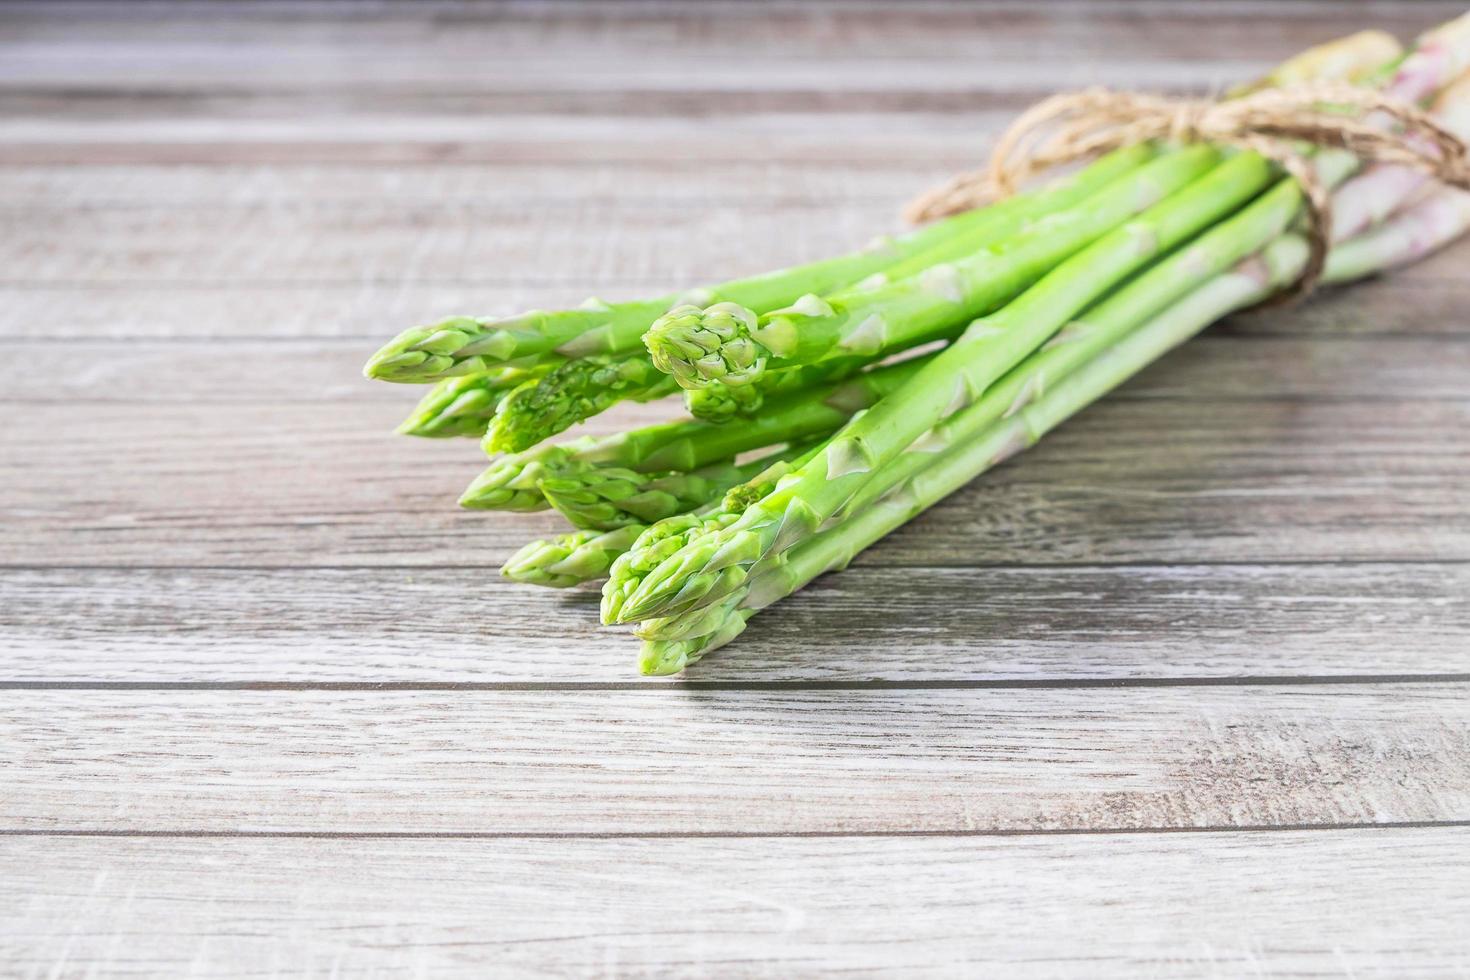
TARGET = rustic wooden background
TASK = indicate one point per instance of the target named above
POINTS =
(1181, 692)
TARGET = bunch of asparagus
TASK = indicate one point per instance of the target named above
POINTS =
(829, 403)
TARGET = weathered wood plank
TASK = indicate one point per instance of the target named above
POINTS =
(669, 46)
(1272, 447)
(1279, 904)
(39, 190)
(367, 269)
(664, 761)
(490, 241)
(434, 626)
(81, 82)
(307, 484)
(1404, 305)
(1225, 363)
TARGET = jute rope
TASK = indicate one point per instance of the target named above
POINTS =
(1273, 122)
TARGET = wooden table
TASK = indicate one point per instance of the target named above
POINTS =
(1183, 691)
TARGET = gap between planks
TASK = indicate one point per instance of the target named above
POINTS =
(412, 835)
(648, 685)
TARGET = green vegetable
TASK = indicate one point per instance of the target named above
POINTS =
(954, 379)
(513, 482)
(605, 497)
(729, 344)
(470, 345)
(671, 644)
(569, 559)
(463, 406)
(577, 390)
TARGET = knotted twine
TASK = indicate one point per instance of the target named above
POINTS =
(1274, 123)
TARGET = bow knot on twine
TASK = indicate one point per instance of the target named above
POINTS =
(1276, 123)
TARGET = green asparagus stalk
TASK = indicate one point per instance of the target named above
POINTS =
(711, 566)
(1081, 342)
(463, 406)
(569, 559)
(956, 378)
(733, 346)
(1098, 345)
(722, 403)
(577, 390)
(513, 482)
(671, 644)
(604, 497)
(667, 536)
(470, 345)
(586, 387)
(582, 556)
(1346, 58)
(727, 343)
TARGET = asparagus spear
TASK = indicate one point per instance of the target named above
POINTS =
(569, 559)
(469, 345)
(667, 536)
(577, 390)
(728, 343)
(1081, 340)
(1098, 344)
(732, 346)
(722, 403)
(513, 482)
(604, 497)
(1439, 55)
(582, 556)
(708, 567)
(463, 406)
(586, 387)
(955, 378)
(671, 644)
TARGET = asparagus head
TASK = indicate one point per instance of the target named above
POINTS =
(570, 559)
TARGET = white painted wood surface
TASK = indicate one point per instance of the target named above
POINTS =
(1365, 903)
(1182, 692)
(666, 761)
(1035, 625)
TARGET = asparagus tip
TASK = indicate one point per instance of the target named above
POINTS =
(700, 347)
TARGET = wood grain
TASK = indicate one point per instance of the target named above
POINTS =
(923, 626)
(1127, 481)
(476, 242)
(712, 47)
(664, 761)
(90, 82)
(1281, 904)
(1224, 364)
(1233, 597)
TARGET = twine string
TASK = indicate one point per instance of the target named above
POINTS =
(1275, 123)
